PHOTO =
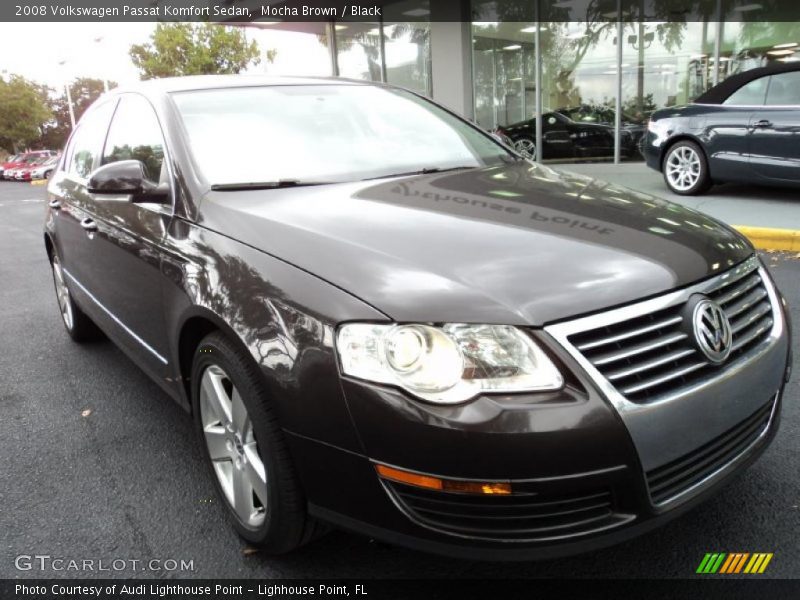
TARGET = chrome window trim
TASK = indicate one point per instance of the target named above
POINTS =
(561, 332)
(116, 319)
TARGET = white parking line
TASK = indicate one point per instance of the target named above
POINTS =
(10, 203)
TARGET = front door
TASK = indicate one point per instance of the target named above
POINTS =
(127, 250)
(775, 131)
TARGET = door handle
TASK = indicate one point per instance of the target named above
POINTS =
(762, 124)
(89, 224)
(54, 203)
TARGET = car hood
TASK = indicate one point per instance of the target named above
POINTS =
(521, 244)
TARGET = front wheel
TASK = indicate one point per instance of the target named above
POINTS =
(244, 448)
(685, 169)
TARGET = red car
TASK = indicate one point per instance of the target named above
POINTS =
(27, 170)
(24, 159)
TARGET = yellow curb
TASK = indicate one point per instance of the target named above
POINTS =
(765, 238)
(39, 182)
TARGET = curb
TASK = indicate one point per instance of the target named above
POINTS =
(39, 182)
(765, 238)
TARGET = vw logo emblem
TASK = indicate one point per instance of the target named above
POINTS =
(712, 331)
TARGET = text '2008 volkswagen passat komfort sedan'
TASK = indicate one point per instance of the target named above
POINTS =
(382, 319)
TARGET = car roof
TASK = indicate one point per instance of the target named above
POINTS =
(208, 82)
(719, 93)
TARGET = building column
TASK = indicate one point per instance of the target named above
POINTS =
(451, 56)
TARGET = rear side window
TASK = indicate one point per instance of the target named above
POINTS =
(750, 94)
(87, 142)
(784, 89)
(136, 135)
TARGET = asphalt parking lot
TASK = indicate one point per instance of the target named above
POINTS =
(98, 463)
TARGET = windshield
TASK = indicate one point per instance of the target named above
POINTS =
(325, 133)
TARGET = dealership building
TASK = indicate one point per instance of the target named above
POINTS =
(612, 62)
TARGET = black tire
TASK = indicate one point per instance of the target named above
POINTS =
(676, 154)
(78, 325)
(286, 524)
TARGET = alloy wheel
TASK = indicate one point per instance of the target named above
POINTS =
(683, 168)
(232, 447)
(62, 294)
(526, 147)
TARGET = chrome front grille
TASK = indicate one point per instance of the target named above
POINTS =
(648, 356)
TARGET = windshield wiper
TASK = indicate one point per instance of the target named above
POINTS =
(423, 171)
(263, 185)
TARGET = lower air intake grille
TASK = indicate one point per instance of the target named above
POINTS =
(516, 517)
(669, 480)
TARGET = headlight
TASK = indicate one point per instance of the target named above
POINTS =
(448, 364)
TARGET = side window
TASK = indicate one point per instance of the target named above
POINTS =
(784, 89)
(136, 135)
(750, 94)
(87, 142)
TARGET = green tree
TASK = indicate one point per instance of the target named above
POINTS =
(24, 112)
(178, 49)
(84, 91)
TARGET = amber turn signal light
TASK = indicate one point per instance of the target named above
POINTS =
(443, 485)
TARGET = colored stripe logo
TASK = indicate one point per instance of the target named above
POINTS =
(734, 562)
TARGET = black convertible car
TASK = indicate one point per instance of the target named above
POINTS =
(746, 129)
(578, 132)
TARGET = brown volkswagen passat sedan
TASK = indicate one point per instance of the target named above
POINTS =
(382, 319)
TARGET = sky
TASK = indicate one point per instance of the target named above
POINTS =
(100, 50)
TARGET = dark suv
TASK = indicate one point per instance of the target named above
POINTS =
(381, 318)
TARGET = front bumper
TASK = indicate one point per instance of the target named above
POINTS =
(345, 492)
(587, 468)
(651, 146)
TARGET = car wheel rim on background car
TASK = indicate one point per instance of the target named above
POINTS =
(231, 443)
(62, 293)
(526, 148)
(683, 168)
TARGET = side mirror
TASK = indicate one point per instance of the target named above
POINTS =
(126, 177)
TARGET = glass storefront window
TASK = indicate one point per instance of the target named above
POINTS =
(290, 40)
(665, 64)
(358, 48)
(747, 45)
(408, 55)
(579, 82)
(503, 73)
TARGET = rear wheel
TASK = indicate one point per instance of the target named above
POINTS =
(685, 169)
(79, 326)
(244, 447)
(526, 147)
